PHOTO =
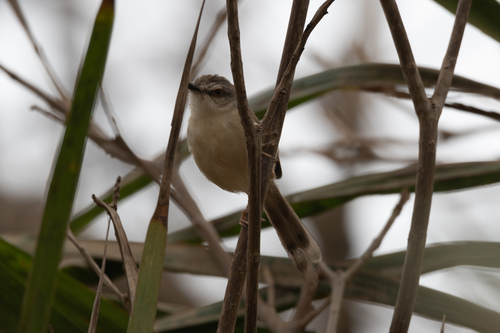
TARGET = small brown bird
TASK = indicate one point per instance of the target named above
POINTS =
(217, 143)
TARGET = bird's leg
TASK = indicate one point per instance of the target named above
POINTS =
(244, 218)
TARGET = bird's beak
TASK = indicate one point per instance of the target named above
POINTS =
(193, 87)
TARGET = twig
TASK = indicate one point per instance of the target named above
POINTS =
(443, 322)
(450, 59)
(95, 308)
(108, 111)
(41, 55)
(405, 195)
(272, 123)
(339, 278)
(428, 112)
(124, 298)
(129, 264)
(235, 283)
(47, 113)
(219, 20)
(55, 103)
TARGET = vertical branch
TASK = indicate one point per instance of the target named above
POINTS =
(234, 288)
(296, 25)
(253, 144)
(450, 59)
(428, 112)
(272, 123)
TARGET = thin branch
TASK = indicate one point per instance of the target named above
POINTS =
(108, 111)
(339, 279)
(405, 54)
(294, 32)
(428, 112)
(47, 113)
(130, 267)
(272, 123)
(235, 283)
(467, 108)
(450, 59)
(95, 309)
(41, 55)
(55, 103)
(354, 268)
(219, 20)
(124, 298)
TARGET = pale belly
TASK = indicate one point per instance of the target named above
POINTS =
(220, 154)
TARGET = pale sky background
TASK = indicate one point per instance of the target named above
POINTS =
(150, 40)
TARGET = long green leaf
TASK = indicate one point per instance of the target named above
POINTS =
(448, 177)
(441, 256)
(365, 77)
(37, 303)
(72, 304)
(377, 282)
(484, 15)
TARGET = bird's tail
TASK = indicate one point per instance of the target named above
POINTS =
(298, 242)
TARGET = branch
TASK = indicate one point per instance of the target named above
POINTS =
(339, 279)
(41, 55)
(450, 59)
(124, 298)
(129, 264)
(428, 112)
(235, 283)
(253, 138)
(272, 124)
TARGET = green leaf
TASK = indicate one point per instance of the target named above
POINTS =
(72, 304)
(42, 282)
(377, 282)
(448, 177)
(441, 256)
(484, 15)
(364, 77)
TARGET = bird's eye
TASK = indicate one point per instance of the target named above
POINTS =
(218, 91)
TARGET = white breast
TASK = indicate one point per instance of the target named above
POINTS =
(217, 143)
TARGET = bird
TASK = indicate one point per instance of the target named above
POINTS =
(216, 140)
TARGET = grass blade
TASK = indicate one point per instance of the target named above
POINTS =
(449, 177)
(364, 77)
(42, 280)
(483, 15)
(72, 304)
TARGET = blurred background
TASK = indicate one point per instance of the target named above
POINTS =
(345, 133)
